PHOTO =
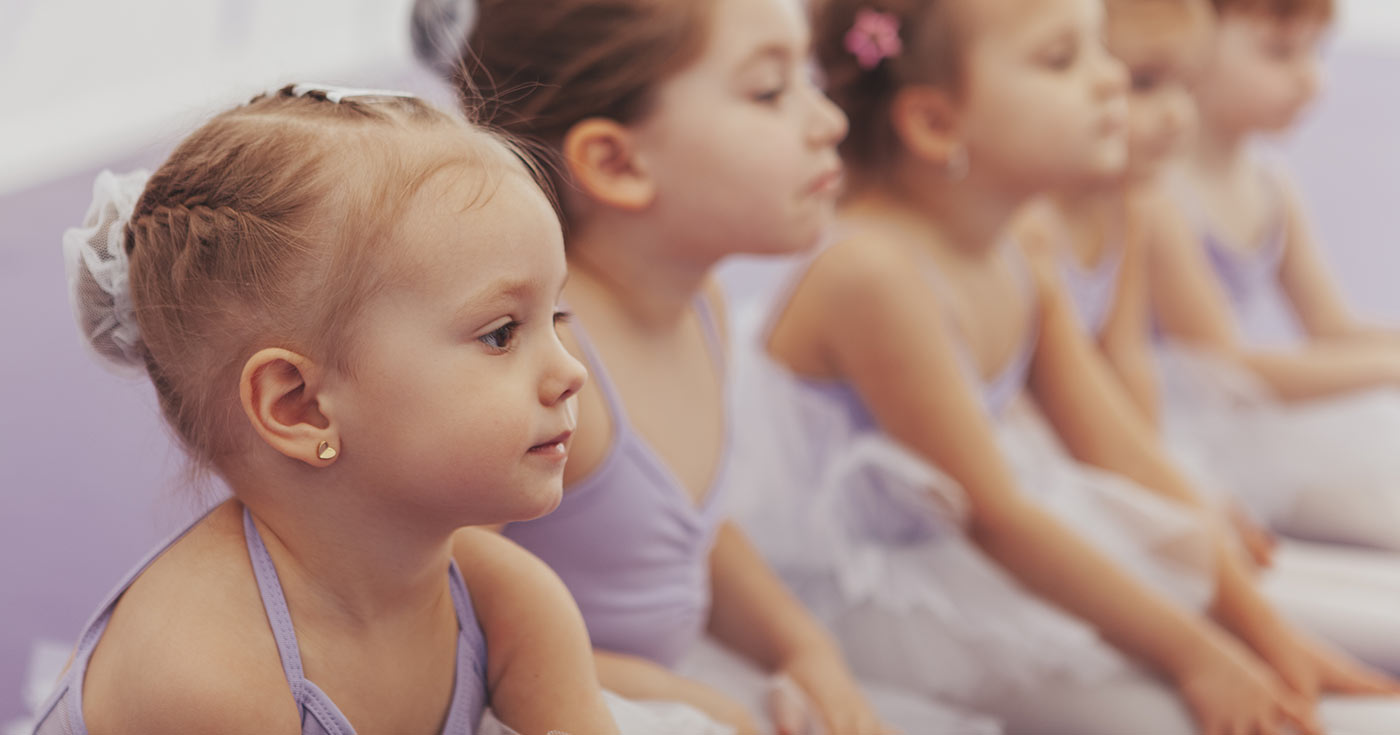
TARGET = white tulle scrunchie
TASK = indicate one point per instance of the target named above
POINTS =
(440, 29)
(98, 285)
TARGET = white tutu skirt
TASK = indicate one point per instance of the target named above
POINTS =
(634, 718)
(871, 538)
(716, 666)
(1324, 469)
(713, 665)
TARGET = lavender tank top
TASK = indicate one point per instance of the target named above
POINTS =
(1249, 274)
(1093, 290)
(1245, 274)
(997, 392)
(829, 417)
(628, 541)
(63, 714)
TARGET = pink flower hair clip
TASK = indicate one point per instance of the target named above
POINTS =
(873, 38)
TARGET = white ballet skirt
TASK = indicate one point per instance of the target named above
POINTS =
(633, 718)
(716, 666)
(1326, 469)
(871, 537)
(713, 665)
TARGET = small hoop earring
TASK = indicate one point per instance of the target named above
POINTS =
(325, 451)
(958, 165)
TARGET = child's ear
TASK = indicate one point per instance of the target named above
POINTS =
(602, 159)
(925, 119)
(279, 394)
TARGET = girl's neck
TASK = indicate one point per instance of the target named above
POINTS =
(635, 270)
(1087, 220)
(1218, 152)
(967, 217)
(352, 565)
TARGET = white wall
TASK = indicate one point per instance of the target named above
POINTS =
(84, 80)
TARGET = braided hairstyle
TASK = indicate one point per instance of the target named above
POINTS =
(931, 55)
(271, 225)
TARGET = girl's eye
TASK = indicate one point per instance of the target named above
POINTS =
(771, 96)
(1145, 81)
(563, 317)
(501, 338)
(1062, 58)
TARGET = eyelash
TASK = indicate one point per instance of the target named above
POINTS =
(1065, 60)
(1145, 82)
(771, 96)
(501, 339)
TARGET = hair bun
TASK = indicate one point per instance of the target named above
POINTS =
(96, 262)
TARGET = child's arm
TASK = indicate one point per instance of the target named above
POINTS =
(753, 613)
(1312, 290)
(540, 670)
(1090, 409)
(1091, 416)
(1189, 305)
(884, 330)
(640, 679)
(1127, 339)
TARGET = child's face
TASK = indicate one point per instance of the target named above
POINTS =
(741, 144)
(460, 386)
(1044, 104)
(1161, 46)
(1260, 73)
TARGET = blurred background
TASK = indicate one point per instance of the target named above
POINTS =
(89, 480)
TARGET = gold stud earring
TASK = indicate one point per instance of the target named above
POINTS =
(325, 451)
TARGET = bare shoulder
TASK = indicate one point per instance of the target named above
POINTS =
(861, 268)
(188, 648)
(518, 600)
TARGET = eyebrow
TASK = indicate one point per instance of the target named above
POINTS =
(776, 51)
(501, 291)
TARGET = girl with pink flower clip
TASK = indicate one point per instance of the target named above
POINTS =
(936, 456)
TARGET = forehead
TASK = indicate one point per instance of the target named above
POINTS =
(1017, 21)
(1158, 31)
(739, 29)
(477, 216)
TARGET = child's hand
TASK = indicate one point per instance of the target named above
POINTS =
(818, 682)
(1318, 667)
(723, 710)
(1231, 691)
(1258, 541)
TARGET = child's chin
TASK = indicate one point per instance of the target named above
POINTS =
(546, 501)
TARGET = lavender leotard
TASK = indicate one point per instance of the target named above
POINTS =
(1093, 291)
(628, 541)
(63, 714)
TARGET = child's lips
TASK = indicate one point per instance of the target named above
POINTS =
(556, 447)
(827, 182)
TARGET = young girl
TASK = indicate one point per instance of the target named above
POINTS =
(686, 132)
(1302, 432)
(346, 301)
(1100, 236)
(921, 338)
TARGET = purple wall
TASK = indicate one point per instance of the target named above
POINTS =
(88, 477)
(87, 473)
